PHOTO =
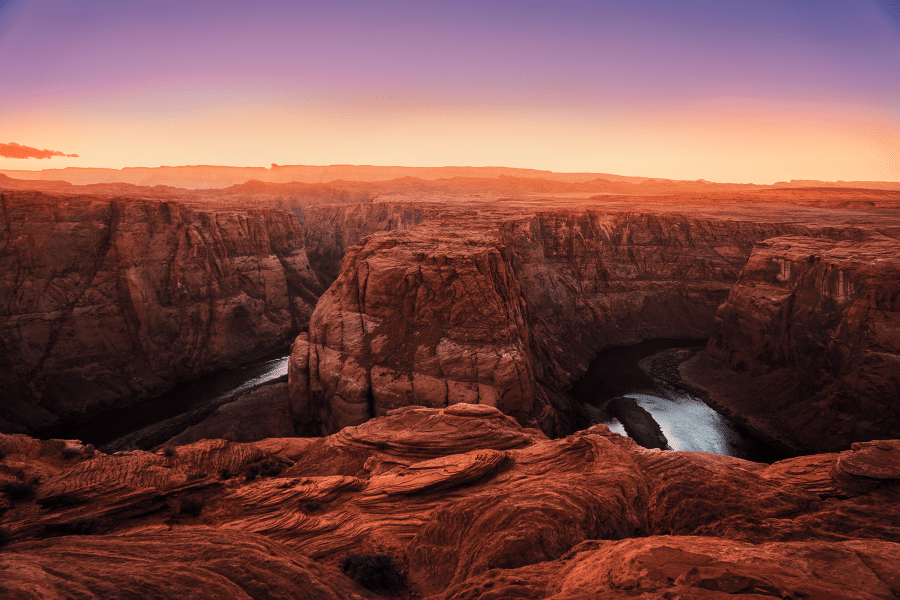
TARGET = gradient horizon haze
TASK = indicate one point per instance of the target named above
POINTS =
(725, 90)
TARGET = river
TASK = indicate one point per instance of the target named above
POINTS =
(648, 373)
(151, 422)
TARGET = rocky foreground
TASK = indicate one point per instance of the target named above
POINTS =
(469, 503)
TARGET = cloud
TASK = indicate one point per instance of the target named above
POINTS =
(13, 150)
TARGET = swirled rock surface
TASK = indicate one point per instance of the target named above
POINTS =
(200, 563)
(467, 501)
(807, 345)
(104, 300)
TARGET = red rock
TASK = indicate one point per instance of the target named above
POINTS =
(103, 301)
(471, 504)
(507, 312)
(811, 332)
(330, 230)
(698, 568)
(202, 563)
(257, 415)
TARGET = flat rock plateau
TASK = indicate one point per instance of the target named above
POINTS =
(438, 320)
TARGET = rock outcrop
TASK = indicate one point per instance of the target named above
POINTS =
(807, 346)
(507, 312)
(256, 415)
(107, 300)
(330, 230)
(471, 504)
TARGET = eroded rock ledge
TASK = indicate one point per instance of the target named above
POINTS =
(469, 502)
(807, 345)
(105, 300)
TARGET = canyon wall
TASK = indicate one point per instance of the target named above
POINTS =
(507, 312)
(812, 331)
(103, 300)
(330, 230)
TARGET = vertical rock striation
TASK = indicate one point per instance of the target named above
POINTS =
(330, 230)
(103, 300)
(506, 312)
(810, 335)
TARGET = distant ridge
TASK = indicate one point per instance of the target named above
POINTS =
(216, 177)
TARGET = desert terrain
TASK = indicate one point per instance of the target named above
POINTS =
(438, 417)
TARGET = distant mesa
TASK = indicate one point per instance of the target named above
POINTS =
(510, 180)
(13, 150)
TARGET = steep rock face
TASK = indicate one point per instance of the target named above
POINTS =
(471, 504)
(812, 329)
(330, 230)
(106, 299)
(506, 312)
(592, 279)
(425, 318)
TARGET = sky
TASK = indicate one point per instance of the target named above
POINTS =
(725, 90)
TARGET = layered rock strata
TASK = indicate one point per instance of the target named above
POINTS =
(807, 344)
(329, 230)
(471, 504)
(103, 300)
(507, 312)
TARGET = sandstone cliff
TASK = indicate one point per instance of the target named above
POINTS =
(104, 300)
(330, 230)
(810, 336)
(507, 312)
(467, 501)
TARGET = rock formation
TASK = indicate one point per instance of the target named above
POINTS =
(256, 415)
(330, 230)
(507, 312)
(469, 502)
(105, 300)
(811, 333)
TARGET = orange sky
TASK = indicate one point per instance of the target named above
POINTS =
(728, 91)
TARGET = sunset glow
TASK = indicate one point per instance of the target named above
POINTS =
(725, 91)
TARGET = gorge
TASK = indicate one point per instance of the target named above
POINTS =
(434, 403)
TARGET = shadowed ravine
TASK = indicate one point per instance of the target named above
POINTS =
(152, 422)
(646, 374)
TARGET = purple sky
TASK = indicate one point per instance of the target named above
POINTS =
(720, 89)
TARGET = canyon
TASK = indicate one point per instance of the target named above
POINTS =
(104, 300)
(508, 310)
(812, 327)
(438, 328)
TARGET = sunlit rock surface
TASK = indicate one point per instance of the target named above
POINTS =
(469, 502)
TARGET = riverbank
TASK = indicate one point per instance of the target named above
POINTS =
(735, 397)
(649, 375)
(152, 422)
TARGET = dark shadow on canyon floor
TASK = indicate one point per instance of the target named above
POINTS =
(628, 387)
(171, 413)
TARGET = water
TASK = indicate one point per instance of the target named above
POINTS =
(648, 372)
(153, 421)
